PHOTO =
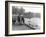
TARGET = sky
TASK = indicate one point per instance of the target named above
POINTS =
(31, 9)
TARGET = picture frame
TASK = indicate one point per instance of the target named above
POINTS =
(9, 16)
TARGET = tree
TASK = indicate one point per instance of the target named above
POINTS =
(21, 11)
(16, 10)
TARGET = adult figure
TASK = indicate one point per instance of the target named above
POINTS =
(18, 18)
(22, 19)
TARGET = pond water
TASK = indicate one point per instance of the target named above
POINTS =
(32, 21)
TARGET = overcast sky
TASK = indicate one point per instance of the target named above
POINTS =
(31, 9)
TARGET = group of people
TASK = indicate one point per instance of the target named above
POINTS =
(20, 19)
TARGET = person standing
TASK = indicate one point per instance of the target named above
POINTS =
(22, 19)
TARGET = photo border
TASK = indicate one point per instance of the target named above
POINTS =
(6, 18)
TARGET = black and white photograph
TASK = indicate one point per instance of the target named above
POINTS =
(25, 18)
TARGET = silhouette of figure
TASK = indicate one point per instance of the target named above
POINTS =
(23, 19)
(18, 18)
